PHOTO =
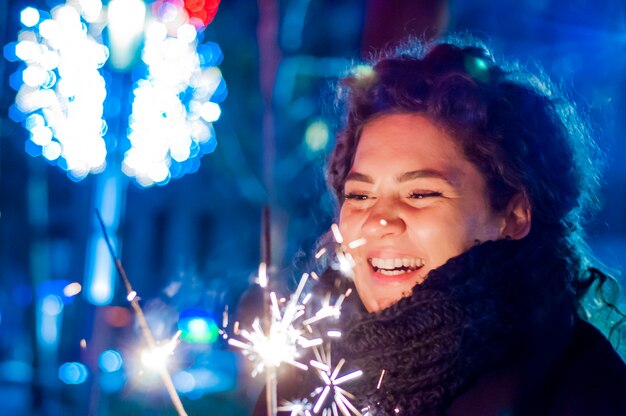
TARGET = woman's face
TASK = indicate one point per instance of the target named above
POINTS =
(417, 202)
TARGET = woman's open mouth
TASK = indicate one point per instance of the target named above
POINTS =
(395, 266)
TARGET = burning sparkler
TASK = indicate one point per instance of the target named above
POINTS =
(279, 337)
(269, 348)
(156, 354)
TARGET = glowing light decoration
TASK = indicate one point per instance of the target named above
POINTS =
(61, 89)
(175, 105)
(60, 99)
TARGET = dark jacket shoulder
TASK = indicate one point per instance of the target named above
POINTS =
(593, 379)
(586, 378)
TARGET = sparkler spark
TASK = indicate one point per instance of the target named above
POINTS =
(327, 310)
(278, 336)
(156, 358)
(357, 243)
(279, 344)
(263, 275)
(380, 380)
(297, 408)
(330, 376)
(336, 233)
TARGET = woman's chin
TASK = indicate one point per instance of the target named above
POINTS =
(379, 290)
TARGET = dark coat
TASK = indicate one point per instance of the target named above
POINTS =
(586, 377)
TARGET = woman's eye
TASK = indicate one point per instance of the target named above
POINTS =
(355, 196)
(422, 195)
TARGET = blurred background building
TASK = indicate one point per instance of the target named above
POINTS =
(179, 121)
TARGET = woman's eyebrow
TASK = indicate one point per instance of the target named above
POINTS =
(360, 177)
(407, 176)
(425, 173)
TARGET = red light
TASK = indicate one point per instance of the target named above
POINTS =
(204, 10)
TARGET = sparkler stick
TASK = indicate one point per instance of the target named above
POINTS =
(143, 324)
(266, 255)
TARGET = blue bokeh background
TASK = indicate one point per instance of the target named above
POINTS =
(195, 244)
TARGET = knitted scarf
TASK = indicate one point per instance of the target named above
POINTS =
(469, 316)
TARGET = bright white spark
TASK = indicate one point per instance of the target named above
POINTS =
(156, 358)
(357, 243)
(330, 376)
(336, 233)
(380, 380)
(297, 408)
(225, 317)
(263, 275)
(327, 310)
(279, 344)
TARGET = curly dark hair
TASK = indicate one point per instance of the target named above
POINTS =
(520, 131)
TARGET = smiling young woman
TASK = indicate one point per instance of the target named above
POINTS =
(468, 180)
(417, 202)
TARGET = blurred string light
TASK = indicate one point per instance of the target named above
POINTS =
(61, 88)
(175, 105)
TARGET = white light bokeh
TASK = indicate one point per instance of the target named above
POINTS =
(63, 90)
(125, 27)
(171, 113)
(173, 107)
(29, 16)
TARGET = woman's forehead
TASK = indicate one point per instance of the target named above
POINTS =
(410, 141)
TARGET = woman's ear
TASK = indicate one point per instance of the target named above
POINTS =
(517, 217)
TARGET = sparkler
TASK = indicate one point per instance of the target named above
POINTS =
(279, 343)
(280, 336)
(162, 351)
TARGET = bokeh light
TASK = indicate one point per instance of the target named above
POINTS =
(29, 17)
(61, 86)
(175, 105)
(197, 326)
(73, 373)
(317, 136)
(60, 98)
(110, 361)
(52, 305)
(184, 381)
(72, 289)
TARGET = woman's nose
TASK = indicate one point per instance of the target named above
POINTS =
(382, 222)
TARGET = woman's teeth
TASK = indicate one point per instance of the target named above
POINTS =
(396, 266)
